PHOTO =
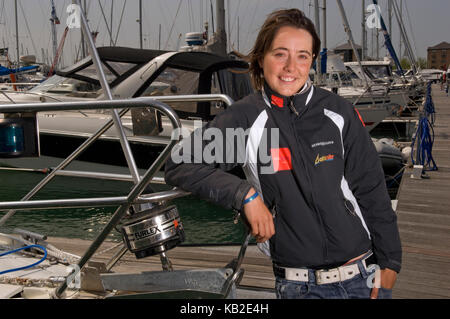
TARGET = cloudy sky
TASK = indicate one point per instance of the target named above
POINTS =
(427, 23)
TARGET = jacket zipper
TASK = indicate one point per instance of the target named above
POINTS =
(291, 106)
(324, 238)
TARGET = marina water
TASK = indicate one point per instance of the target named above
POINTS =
(204, 223)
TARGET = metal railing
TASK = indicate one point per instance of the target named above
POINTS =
(95, 104)
(123, 104)
(124, 202)
(134, 197)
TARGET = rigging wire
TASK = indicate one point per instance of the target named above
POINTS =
(236, 15)
(1, 13)
(28, 27)
(173, 24)
(146, 18)
(410, 27)
(104, 18)
(250, 29)
(164, 16)
(191, 16)
(120, 22)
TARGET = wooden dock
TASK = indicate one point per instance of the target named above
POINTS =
(258, 276)
(424, 218)
(423, 211)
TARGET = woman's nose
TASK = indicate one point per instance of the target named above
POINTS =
(290, 64)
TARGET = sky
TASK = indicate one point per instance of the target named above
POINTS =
(427, 23)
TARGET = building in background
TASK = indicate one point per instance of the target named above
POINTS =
(439, 56)
(346, 52)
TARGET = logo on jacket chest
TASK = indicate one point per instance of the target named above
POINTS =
(325, 158)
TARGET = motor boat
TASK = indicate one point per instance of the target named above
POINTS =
(134, 73)
(402, 89)
(373, 100)
(130, 73)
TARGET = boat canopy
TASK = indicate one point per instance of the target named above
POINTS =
(120, 62)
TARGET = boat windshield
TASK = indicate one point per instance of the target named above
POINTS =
(112, 70)
(61, 85)
(379, 71)
(174, 81)
(86, 82)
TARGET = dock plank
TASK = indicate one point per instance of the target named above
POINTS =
(258, 268)
(423, 212)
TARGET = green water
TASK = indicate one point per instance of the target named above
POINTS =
(204, 223)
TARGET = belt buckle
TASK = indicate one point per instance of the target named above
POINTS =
(328, 280)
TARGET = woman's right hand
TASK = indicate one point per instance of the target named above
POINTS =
(259, 218)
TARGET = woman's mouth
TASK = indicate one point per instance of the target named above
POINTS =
(287, 79)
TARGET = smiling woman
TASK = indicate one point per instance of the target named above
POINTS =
(286, 65)
(317, 204)
(288, 31)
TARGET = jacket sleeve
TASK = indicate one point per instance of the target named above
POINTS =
(201, 163)
(364, 173)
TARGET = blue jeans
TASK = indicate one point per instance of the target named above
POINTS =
(355, 288)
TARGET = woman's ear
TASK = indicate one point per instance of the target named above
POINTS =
(261, 62)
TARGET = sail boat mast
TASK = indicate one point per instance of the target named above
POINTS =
(17, 31)
(403, 34)
(350, 39)
(140, 24)
(324, 23)
(363, 31)
(54, 21)
(317, 24)
(218, 43)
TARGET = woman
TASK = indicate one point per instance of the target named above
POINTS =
(314, 195)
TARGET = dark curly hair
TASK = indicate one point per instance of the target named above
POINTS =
(276, 20)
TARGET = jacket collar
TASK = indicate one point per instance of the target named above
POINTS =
(278, 101)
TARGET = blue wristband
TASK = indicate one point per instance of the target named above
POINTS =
(248, 200)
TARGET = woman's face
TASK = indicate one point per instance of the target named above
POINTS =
(287, 63)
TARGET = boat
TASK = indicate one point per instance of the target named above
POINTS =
(185, 76)
(133, 73)
(392, 157)
(374, 100)
(407, 87)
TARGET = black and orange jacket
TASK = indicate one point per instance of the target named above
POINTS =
(314, 164)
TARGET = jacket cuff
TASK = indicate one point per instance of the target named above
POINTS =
(391, 264)
(240, 194)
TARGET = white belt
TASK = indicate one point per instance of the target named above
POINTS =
(323, 276)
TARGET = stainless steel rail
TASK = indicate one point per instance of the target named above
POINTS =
(119, 108)
(107, 92)
(105, 176)
(92, 202)
(128, 103)
(110, 104)
(126, 201)
(194, 98)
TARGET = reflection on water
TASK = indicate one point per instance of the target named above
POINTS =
(203, 222)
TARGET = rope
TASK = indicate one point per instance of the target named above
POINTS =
(429, 105)
(52, 251)
(396, 178)
(28, 266)
(425, 136)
